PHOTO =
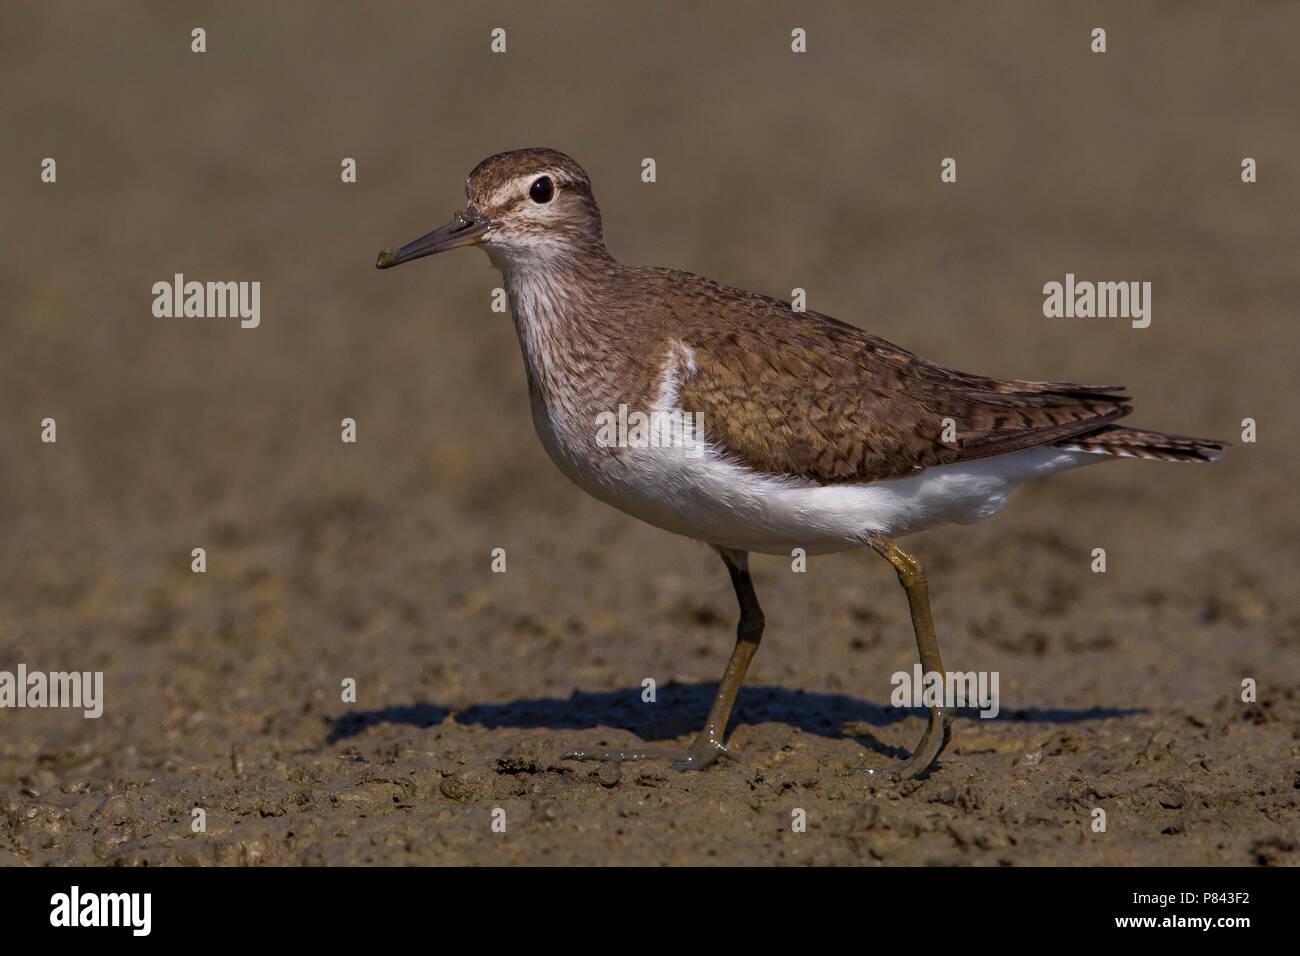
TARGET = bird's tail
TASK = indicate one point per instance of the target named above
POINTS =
(1137, 443)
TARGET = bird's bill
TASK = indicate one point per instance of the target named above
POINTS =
(465, 230)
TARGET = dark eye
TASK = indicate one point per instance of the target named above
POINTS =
(542, 190)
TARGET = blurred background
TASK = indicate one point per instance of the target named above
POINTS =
(775, 170)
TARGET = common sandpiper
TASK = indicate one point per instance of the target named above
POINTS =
(762, 428)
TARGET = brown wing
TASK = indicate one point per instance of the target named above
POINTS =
(802, 394)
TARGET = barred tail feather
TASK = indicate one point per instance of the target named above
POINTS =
(1137, 443)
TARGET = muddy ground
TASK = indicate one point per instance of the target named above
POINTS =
(371, 561)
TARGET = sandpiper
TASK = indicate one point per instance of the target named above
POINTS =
(801, 431)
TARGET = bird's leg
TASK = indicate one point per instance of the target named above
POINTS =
(912, 576)
(708, 746)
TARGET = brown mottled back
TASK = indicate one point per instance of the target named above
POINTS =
(801, 394)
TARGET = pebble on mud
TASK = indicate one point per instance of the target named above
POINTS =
(610, 773)
(459, 786)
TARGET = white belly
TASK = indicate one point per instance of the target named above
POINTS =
(723, 503)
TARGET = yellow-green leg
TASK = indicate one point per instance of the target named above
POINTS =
(708, 746)
(912, 576)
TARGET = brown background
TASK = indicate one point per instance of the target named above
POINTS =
(371, 561)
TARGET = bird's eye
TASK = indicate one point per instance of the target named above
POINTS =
(542, 190)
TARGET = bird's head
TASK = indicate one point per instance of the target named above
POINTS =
(527, 206)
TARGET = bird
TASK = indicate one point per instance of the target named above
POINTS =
(761, 428)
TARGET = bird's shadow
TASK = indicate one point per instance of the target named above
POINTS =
(679, 710)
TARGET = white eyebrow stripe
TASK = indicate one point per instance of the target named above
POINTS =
(518, 187)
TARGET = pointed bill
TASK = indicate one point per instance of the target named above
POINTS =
(465, 229)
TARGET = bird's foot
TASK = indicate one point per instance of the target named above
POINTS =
(937, 734)
(699, 755)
